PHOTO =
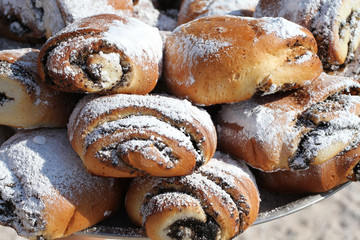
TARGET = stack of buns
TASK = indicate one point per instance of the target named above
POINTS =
(178, 109)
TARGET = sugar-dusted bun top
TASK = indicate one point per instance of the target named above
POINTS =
(222, 59)
(123, 32)
(334, 24)
(293, 130)
(90, 108)
(37, 168)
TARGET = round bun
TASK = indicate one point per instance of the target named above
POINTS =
(334, 24)
(317, 178)
(35, 22)
(223, 59)
(45, 191)
(104, 53)
(25, 101)
(124, 135)
(292, 131)
(218, 201)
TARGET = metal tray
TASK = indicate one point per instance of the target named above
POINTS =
(273, 206)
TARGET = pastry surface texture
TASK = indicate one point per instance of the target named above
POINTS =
(218, 201)
(223, 59)
(295, 129)
(103, 54)
(44, 190)
(334, 24)
(35, 21)
(131, 135)
(25, 101)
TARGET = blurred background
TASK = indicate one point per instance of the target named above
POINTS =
(334, 218)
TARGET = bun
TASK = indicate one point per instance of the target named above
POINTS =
(340, 169)
(194, 9)
(45, 193)
(23, 20)
(333, 23)
(218, 201)
(105, 54)
(223, 59)
(293, 130)
(25, 101)
(131, 135)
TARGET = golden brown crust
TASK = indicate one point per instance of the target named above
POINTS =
(65, 217)
(264, 131)
(333, 23)
(132, 135)
(27, 102)
(105, 54)
(316, 179)
(56, 197)
(238, 48)
(220, 200)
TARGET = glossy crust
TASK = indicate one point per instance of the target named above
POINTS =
(333, 23)
(267, 132)
(218, 201)
(194, 9)
(26, 102)
(41, 202)
(223, 59)
(132, 135)
(103, 53)
(315, 179)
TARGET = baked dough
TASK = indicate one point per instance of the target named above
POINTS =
(334, 24)
(35, 21)
(218, 201)
(104, 54)
(296, 129)
(223, 59)
(45, 193)
(25, 101)
(132, 135)
(320, 178)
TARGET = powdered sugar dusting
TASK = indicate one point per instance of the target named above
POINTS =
(27, 14)
(260, 122)
(140, 124)
(136, 39)
(281, 27)
(196, 47)
(305, 57)
(275, 124)
(22, 70)
(75, 10)
(206, 190)
(294, 10)
(165, 20)
(228, 167)
(339, 131)
(178, 110)
(168, 200)
(36, 164)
